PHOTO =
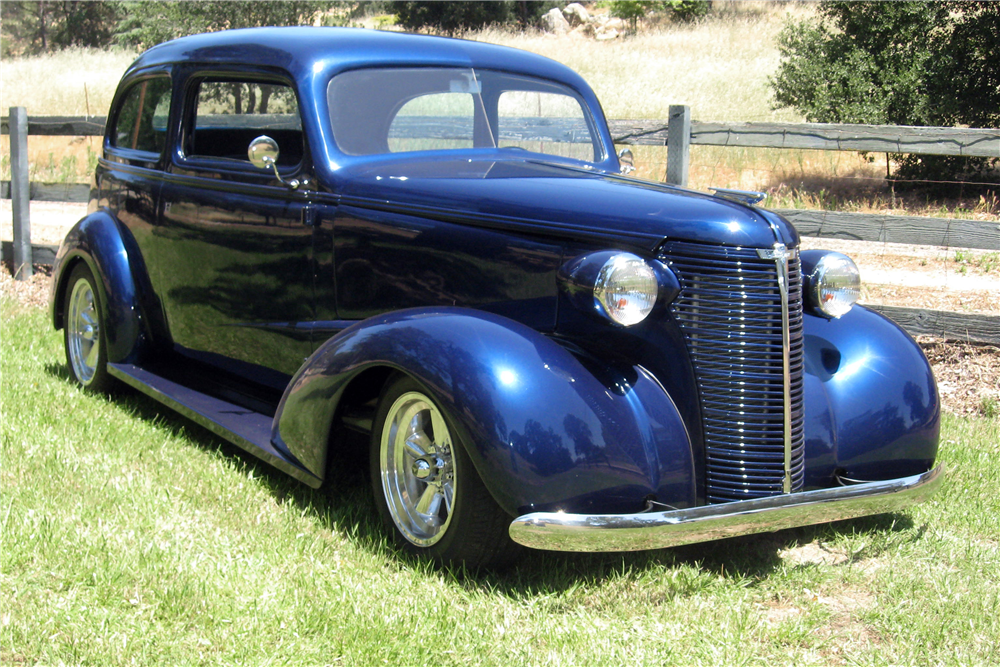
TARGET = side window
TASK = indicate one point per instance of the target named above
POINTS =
(230, 114)
(141, 123)
(549, 123)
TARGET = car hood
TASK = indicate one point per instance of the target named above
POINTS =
(559, 199)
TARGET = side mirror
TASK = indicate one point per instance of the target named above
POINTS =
(263, 153)
(626, 161)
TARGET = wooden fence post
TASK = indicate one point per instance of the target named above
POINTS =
(678, 144)
(20, 192)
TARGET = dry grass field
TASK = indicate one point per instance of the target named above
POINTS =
(74, 82)
(719, 67)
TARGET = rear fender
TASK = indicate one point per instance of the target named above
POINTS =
(545, 427)
(98, 241)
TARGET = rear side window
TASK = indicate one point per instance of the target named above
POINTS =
(141, 123)
(230, 114)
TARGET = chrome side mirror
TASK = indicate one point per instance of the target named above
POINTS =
(263, 153)
(626, 161)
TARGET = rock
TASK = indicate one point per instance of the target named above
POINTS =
(615, 24)
(576, 14)
(553, 21)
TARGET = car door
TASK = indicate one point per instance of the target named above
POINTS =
(234, 253)
(130, 173)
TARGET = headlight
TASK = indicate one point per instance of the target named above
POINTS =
(625, 290)
(833, 285)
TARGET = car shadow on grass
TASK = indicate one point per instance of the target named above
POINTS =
(344, 505)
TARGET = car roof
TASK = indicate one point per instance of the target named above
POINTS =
(309, 51)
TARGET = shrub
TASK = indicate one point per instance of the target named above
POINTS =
(631, 11)
(900, 63)
(454, 17)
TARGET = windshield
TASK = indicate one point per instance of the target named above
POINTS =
(378, 111)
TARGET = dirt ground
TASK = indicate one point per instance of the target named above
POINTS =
(968, 374)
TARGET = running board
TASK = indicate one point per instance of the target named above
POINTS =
(244, 428)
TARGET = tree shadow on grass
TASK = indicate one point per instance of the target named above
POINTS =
(344, 505)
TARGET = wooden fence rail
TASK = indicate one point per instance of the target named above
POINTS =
(819, 136)
(677, 134)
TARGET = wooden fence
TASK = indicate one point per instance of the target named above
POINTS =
(677, 134)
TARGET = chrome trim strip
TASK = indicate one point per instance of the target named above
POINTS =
(559, 531)
(780, 254)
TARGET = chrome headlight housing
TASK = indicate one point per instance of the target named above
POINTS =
(831, 282)
(626, 289)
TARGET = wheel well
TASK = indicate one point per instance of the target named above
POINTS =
(352, 424)
(59, 294)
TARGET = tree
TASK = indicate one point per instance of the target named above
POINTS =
(631, 11)
(687, 10)
(149, 22)
(42, 26)
(454, 17)
(900, 63)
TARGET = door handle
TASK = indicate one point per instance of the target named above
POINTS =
(308, 216)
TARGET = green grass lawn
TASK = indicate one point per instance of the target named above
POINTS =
(131, 536)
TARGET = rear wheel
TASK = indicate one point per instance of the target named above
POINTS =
(83, 332)
(428, 492)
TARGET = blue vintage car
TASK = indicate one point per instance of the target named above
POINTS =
(299, 234)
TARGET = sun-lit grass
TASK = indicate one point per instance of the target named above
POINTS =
(718, 66)
(130, 536)
(73, 82)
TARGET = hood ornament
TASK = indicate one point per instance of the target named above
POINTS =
(742, 196)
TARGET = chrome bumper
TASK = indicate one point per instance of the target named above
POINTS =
(558, 531)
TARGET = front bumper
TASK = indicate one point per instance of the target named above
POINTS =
(559, 531)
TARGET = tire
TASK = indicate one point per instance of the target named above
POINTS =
(83, 332)
(427, 491)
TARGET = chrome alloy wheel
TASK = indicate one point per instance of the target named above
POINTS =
(83, 340)
(417, 469)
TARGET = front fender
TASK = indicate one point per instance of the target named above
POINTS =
(546, 429)
(99, 241)
(872, 408)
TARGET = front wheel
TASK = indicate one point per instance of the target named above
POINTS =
(84, 336)
(426, 488)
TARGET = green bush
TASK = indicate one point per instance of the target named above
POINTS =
(631, 11)
(687, 10)
(898, 63)
(454, 17)
(145, 23)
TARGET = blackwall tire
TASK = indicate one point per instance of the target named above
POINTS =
(428, 493)
(84, 338)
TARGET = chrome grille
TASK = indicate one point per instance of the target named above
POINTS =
(729, 309)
